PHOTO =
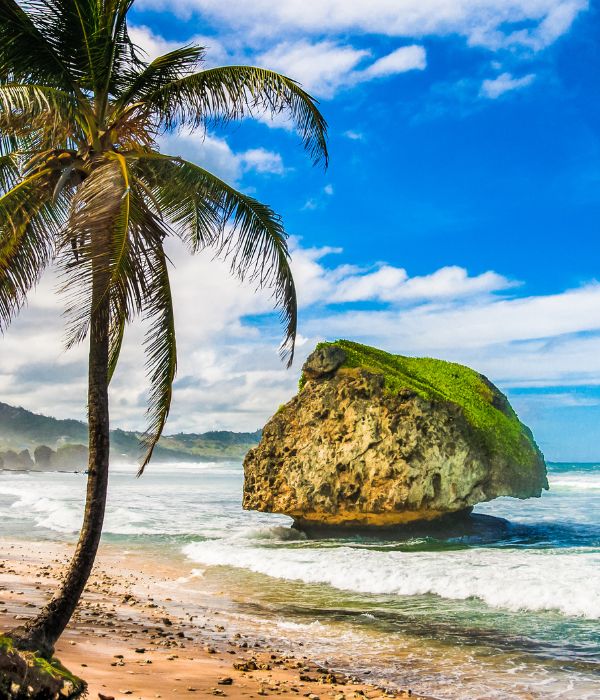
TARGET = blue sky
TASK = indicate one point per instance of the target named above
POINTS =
(459, 217)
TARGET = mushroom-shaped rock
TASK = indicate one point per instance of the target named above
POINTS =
(378, 440)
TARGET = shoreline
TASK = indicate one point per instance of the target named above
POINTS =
(129, 639)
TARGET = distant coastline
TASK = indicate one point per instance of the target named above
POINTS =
(34, 442)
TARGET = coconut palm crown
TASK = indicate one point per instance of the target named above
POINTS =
(84, 186)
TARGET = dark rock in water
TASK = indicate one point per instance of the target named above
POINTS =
(12, 460)
(374, 440)
(462, 527)
(70, 457)
(43, 456)
(24, 676)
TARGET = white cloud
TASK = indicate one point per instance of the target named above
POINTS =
(319, 284)
(494, 88)
(311, 204)
(451, 282)
(561, 399)
(229, 372)
(326, 66)
(488, 23)
(321, 68)
(315, 43)
(215, 154)
(399, 61)
(320, 201)
(209, 151)
(153, 45)
(262, 161)
(354, 135)
(436, 326)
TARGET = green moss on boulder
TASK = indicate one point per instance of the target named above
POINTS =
(27, 676)
(484, 406)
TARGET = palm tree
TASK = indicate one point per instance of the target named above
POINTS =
(84, 186)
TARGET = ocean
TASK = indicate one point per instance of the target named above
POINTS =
(506, 608)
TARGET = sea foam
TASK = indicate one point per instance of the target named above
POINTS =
(566, 581)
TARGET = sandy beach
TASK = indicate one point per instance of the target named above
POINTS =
(126, 641)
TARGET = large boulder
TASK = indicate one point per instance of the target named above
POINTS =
(377, 440)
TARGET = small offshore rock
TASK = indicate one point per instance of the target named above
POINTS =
(246, 666)
(329, 678)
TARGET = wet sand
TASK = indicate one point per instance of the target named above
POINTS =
(131, 639)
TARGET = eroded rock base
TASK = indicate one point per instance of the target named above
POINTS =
(26, 676)
(464, 524)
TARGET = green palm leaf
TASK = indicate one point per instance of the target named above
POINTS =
(29, 223)
(234, 92)
(9, 172)
(161, 349)
(163, 70)
(28, 50)
(211, 213)
(26, 103)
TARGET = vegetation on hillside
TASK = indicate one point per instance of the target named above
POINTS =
(21, 429)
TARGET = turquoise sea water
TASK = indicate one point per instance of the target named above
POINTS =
(506, 608)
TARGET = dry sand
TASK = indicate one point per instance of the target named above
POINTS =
(126, 641)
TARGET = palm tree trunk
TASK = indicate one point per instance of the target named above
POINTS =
(42, 633)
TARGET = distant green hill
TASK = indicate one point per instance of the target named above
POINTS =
(21, 430)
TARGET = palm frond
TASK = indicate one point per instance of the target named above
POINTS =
(80, 43)
(30, 224)
(25, 107)
(27, 52)
(110, 54)
(118, 322)
(9, 172)
(163, 70)
(117, 55)
(161, 349)
(9, 145)
(197, 219)
(233, 92)
(108, 232)
(92, 243)
(243, 231)
(137, 230)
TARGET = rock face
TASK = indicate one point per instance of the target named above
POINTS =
(66, 457)
(24, 676)
(377, 440)
(11, 460)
